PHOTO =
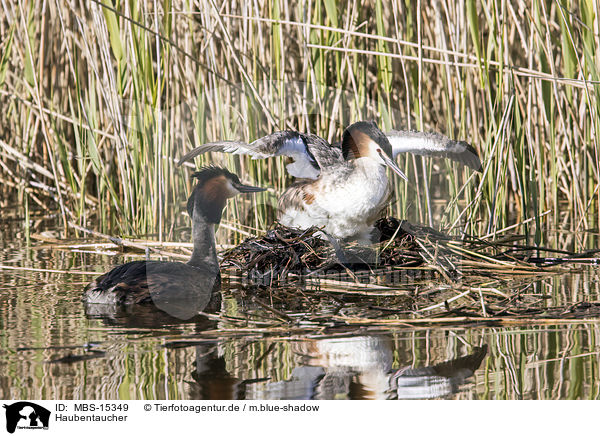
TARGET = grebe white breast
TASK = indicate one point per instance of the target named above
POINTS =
(179, 289)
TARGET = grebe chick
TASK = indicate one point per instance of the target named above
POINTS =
(180, 289)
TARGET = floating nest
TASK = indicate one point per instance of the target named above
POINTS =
(414, 275)
(284, 254)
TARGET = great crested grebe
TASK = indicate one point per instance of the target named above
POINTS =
(344, 188)
(180, 289)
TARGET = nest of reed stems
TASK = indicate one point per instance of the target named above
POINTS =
(414, 276)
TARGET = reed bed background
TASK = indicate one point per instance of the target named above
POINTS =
(99, 99)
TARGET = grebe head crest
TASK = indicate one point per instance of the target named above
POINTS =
(365, 139)
(215, 186)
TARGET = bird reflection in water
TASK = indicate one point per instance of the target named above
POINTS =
(346, 368)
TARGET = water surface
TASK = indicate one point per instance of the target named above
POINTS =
(51, 348)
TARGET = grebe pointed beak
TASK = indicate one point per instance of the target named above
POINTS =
(390, 163)
(248, 188)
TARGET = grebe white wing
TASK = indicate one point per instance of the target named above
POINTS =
(433, 144)
(286, 143)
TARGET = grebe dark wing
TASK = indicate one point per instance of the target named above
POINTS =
(325, 154)
(176, 288)
(286, 143)
(433, 144)
(123, 284)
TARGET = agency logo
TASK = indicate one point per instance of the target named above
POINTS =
(26, 415)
